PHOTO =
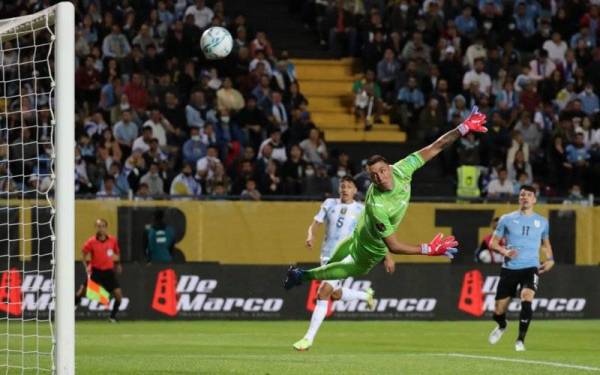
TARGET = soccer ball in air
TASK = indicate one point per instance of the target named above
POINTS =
(216, 43)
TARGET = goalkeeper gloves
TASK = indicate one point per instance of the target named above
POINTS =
(440, 246)
(474, 123)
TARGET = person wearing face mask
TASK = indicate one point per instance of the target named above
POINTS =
(194, 148)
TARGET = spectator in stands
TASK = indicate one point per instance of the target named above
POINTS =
(250, 193)
(314, 148)
(202, 14)
(373, 51)
(87, 82)
(194, 148)
(316, 181)
(245, 172)
(262, 93)
(116, 44)
(194, 110)
(589, 100)
(110, 143)
(136, 93)
(261, 43)
(416, 49)
(126, 132)
(387, 72)
(578, 157)
(271, 182)
(468, 150)
(479, 76)
(278, 114)
(228, 97)
(185, 184)
(366, 90)
(556, 48)
(293, 171)
(518, 167)
(260, 58)
(342, 30)
(466, 24)
(154, 183)
(475, 51)
(409, 102)
(431, 121)
(206, 166)
(275, 143)
(459, 107)
(532, 134)
(541, 67)
(219, 179)
(108, 189)
(501, 187)
(253, 122)
(293, 99)
(154, 153)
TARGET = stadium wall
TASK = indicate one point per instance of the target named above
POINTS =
(212, 291)
(274, 232)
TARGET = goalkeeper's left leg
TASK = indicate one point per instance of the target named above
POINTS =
(341, 265)
(336, 270)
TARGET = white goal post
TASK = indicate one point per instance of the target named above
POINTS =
(36, 174)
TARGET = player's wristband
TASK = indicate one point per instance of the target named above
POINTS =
(550, 258)
(462, 129)
(424, 248)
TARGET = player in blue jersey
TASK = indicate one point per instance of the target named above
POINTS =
(339, 216)
(524, 233)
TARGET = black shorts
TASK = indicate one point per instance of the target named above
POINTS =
(106, 278)
(512, 281)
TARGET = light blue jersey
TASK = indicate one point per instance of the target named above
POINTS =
(523, 234)
(340, 220)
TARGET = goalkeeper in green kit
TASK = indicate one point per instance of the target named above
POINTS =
(385, 205)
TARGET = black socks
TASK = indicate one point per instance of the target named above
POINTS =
(501, 320)
(524, 319)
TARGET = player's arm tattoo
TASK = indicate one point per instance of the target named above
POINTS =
(431, 151)
(447, 139)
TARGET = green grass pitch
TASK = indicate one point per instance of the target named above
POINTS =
(365, 347)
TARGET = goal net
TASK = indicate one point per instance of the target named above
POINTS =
(36, 119)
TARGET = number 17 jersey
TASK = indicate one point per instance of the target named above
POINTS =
(340, 220)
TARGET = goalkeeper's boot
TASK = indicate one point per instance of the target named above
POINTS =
(520, 346)
(303, 345)
(496, 335)
(371, 299)
(293, 278)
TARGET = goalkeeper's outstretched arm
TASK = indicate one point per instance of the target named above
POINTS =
(431, 151)
(473, 123)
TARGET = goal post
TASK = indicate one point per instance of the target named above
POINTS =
(65, 188)
(37, 193)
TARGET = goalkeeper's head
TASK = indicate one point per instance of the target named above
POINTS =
(380, 172)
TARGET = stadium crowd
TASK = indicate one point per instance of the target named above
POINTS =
(532, 66)
(154, 118)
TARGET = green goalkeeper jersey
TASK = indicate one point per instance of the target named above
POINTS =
(384, 210)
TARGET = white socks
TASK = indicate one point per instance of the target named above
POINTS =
(352, 294)
(320, 310)
(318, 316)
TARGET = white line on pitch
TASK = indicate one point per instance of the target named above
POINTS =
(532, 362)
